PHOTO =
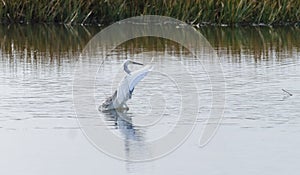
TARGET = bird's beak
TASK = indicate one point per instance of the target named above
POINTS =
(133, 62)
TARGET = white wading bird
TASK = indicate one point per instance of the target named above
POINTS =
(126, 86)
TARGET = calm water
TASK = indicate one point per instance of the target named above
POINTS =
(258, 134)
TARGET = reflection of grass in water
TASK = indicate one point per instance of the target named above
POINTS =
(43, 40)
(149, 44)
(194, 11)
(57, 42)
(43, 37)
(256, 41)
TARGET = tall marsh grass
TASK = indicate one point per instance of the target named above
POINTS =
(231, 12)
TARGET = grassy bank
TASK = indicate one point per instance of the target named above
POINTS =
(231, 12)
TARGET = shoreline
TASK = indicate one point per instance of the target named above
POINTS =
(198, 25)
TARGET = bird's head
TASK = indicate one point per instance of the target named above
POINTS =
(127, 62)
(132, 62)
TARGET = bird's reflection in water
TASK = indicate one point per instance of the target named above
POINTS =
(134, 141)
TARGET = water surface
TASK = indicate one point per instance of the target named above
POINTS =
(258, 134)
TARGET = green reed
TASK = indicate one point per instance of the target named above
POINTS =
(231, 12)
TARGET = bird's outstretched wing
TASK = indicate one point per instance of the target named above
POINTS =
(128, 84)
(137, 76)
